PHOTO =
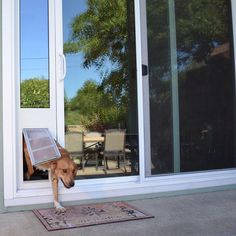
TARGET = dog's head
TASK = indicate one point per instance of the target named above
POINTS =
(65, 169)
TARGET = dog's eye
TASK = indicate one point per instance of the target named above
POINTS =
(64, 170)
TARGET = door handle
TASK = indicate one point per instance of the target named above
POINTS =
(144, 70)
(63, 66)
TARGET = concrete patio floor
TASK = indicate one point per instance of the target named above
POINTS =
(196, 214)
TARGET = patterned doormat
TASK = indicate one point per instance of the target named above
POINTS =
(87, 215)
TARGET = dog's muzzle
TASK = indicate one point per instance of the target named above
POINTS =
(71, 184)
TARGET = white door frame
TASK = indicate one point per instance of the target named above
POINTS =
(145, 90)
(38, 192)
(59, 67)
(36, 117)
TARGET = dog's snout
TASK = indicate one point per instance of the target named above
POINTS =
(72, 184)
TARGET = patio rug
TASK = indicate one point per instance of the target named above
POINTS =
(87, 215)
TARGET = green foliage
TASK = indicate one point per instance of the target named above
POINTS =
(35, 93)
(101, 34)
(200, 26)
(70, 47)
(73, 117)
(87, 99)
(104, 35)
(94, 109)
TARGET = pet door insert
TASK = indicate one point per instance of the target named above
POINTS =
(41, 146)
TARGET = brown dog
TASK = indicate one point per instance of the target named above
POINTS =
(64, 169)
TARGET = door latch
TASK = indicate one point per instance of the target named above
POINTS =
(144, 70)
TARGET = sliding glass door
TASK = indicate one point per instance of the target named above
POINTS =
(100, 86)
(87, 87)
(191, 85)
(84, 84)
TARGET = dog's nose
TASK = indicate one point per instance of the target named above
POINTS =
(72, 184)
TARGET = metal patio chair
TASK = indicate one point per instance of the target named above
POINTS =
(114, 147)
(92, 149)
(75, 145)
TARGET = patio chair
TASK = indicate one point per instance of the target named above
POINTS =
(92, 148)
(75, 145)
(114, 146)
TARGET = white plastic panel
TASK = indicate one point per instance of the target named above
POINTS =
(41, 146)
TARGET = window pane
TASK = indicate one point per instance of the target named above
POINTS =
(201, 55)
(100, 85)
(206, 84)
(160, 86)
(34, 62)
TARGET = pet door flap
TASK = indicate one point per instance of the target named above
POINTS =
(41, 145)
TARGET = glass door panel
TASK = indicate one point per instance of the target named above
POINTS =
(206, 84)
(34, 54)
(36, 89)
(191, 85)
(100, 86)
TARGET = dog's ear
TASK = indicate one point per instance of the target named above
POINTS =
(63, 151)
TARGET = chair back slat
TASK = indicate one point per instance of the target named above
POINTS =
(74, 142)
(114, 140)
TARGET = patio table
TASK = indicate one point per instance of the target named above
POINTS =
(95, 139)
(93, 145)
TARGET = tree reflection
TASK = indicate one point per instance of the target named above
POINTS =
(104, 34)
(205, 73)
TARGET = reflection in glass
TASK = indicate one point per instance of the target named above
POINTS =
(160, 86)
(206, 84)
(100, 85)
(205, 71)
(34, 62)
